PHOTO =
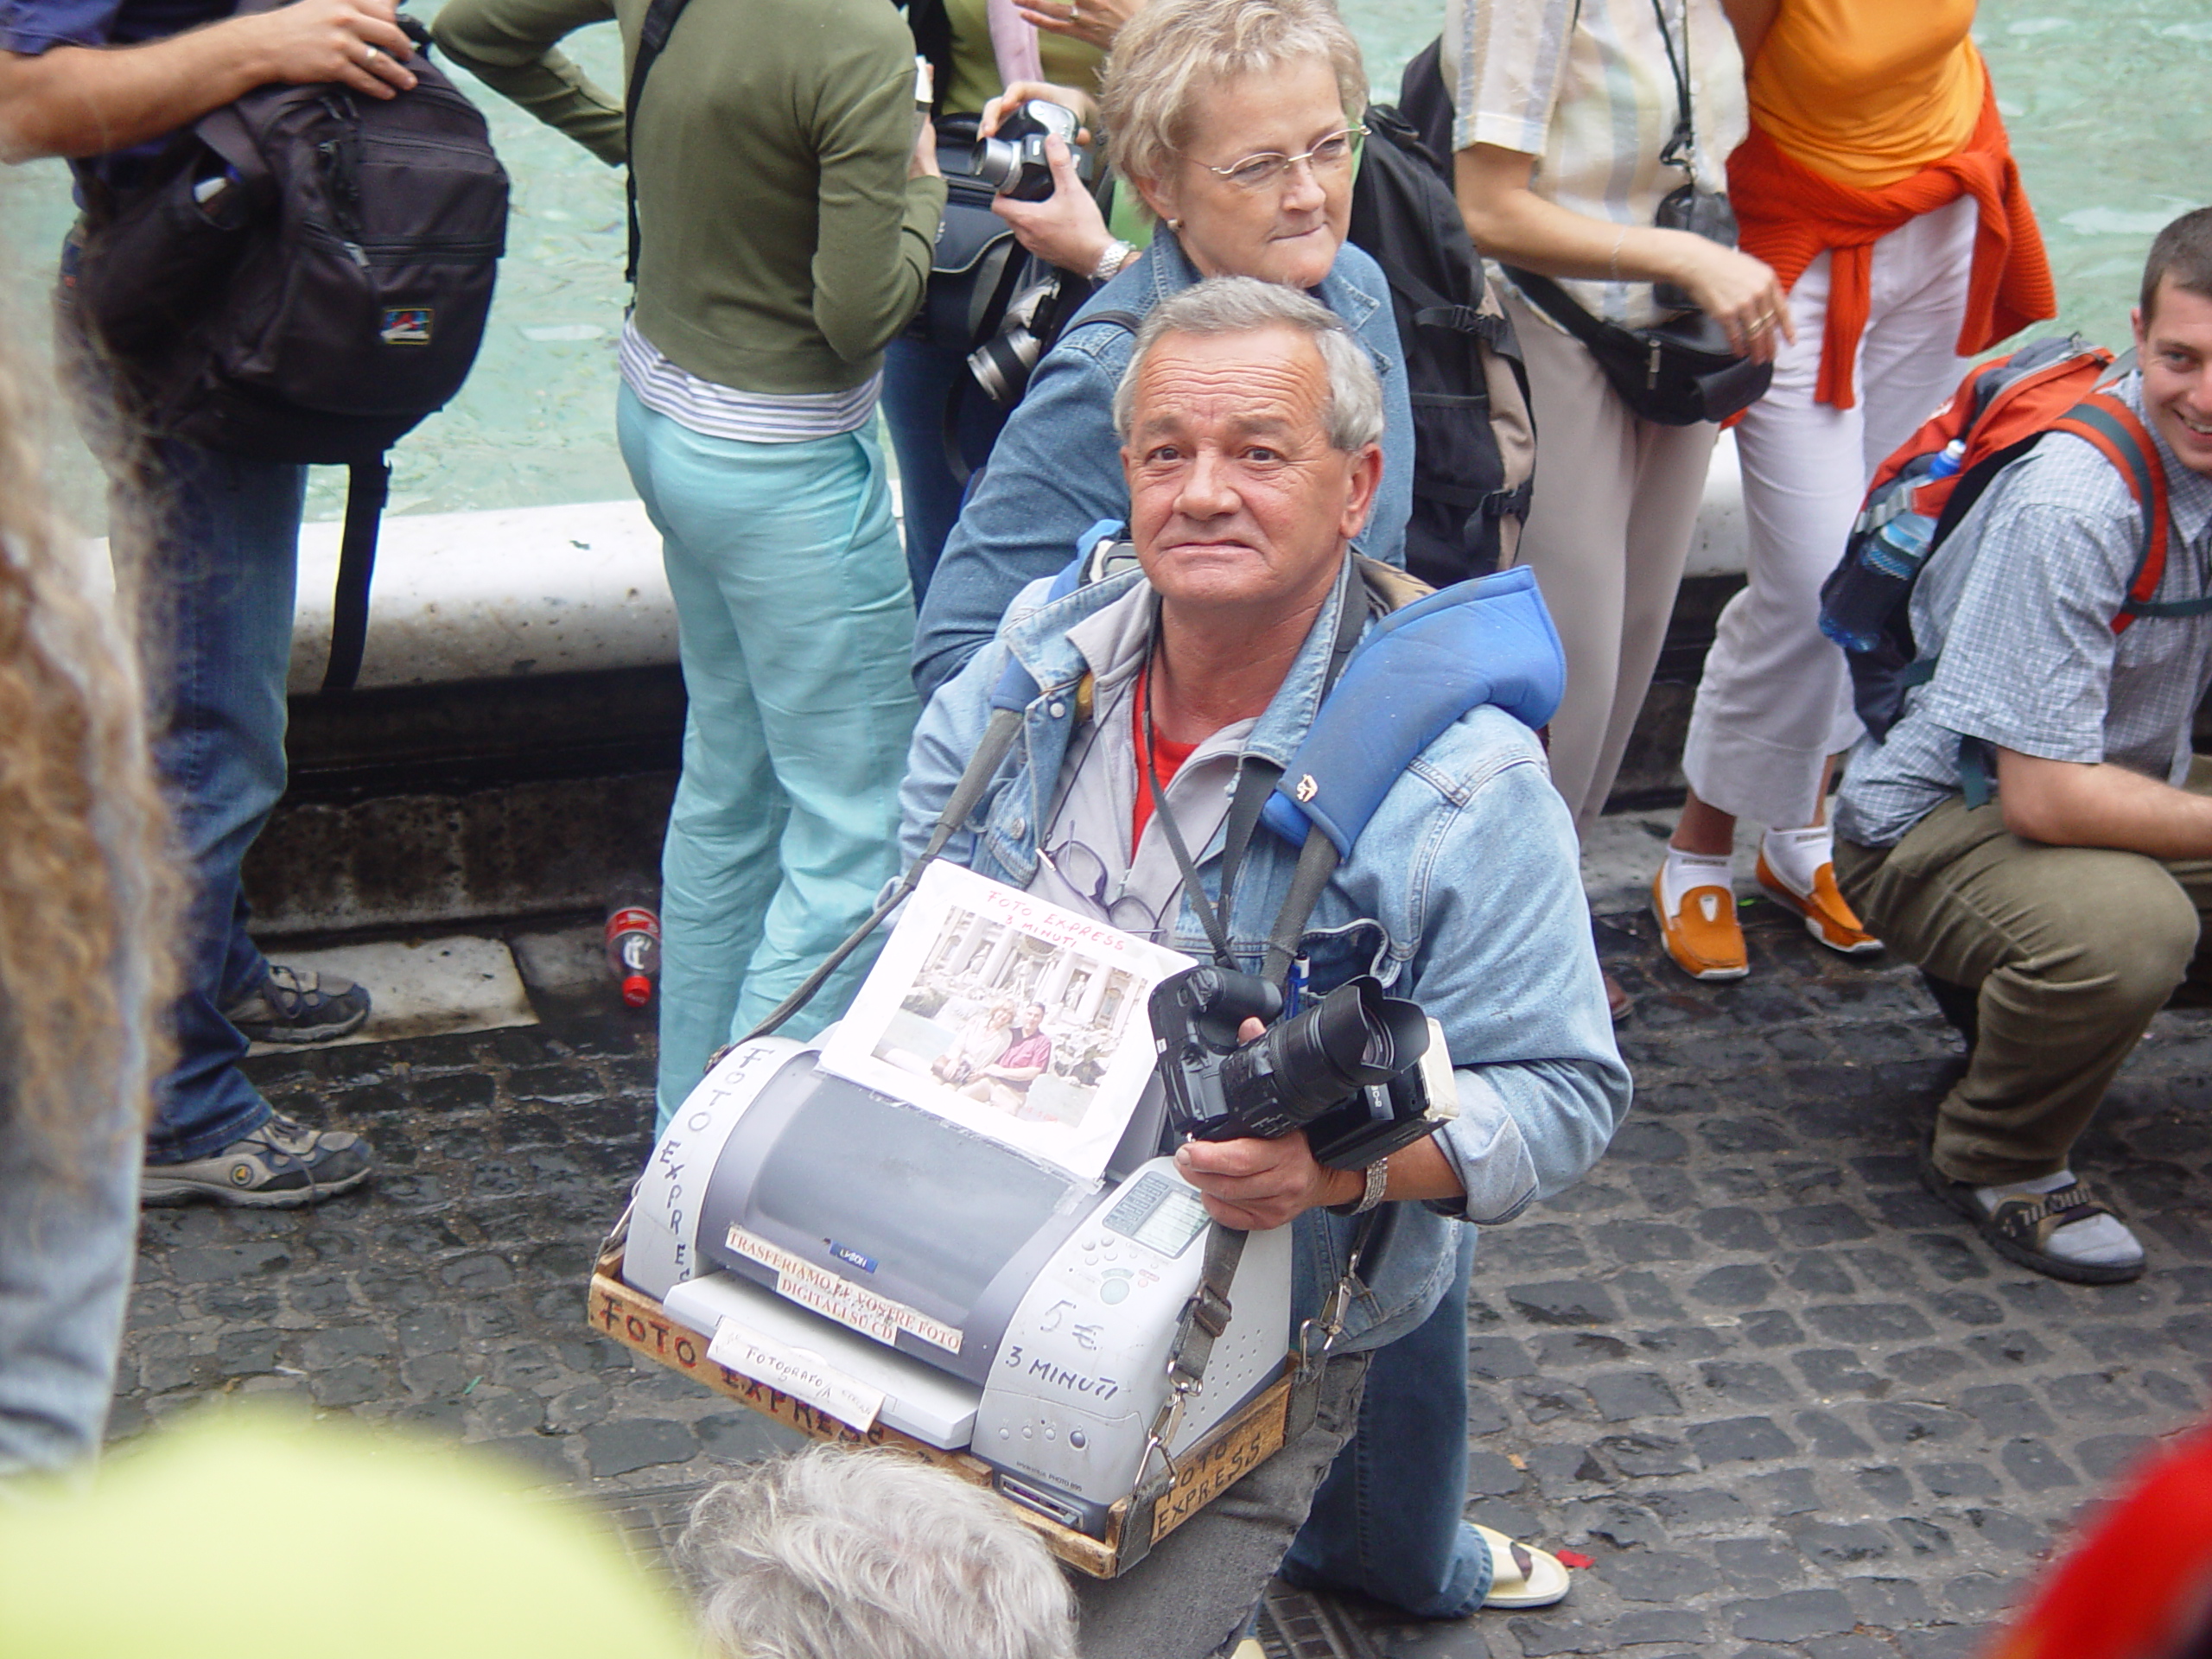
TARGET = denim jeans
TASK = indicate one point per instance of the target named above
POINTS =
(918, 380)
(216, 619)
(68, 1237)
(1387, 1520)
(793, 622)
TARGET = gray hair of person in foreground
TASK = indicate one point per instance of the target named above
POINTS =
(838, 1553)
(1243, 305)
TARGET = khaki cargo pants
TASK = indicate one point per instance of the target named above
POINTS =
(2072, 950)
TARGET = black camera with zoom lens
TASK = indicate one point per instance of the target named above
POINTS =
(1014, 163)
(1002, 363)
(1354, 1070)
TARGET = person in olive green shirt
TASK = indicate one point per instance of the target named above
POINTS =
(787, 214)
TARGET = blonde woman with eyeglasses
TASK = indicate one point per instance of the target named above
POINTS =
(1237, 121)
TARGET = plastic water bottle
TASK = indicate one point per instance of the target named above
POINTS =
(633, 946)
(1863, 596)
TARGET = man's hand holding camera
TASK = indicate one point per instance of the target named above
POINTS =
(1346, 1067)
(1257, 1185)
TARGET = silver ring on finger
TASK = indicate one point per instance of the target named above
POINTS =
(1075, 12)
(369, 55)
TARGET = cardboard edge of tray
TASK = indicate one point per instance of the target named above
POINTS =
(1239, 1444)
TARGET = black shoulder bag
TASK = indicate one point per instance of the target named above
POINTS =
(1682, 371)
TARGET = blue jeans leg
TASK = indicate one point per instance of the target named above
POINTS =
(918, 380)
(217, 621)
(794, 624)
(1387, 1521)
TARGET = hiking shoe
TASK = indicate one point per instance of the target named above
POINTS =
(1828, 915)
(2063, 1232)
(294, 1004)
(277, 1167)
(1703, 937)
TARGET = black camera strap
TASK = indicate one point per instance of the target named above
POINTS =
(653, 37)
(1681, 147)
(1256, 781)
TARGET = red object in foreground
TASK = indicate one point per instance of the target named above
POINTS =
(2139, 1585)
(1574, 1558)
(633, 950)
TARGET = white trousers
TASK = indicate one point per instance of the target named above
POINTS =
(1609, 527)
(1775, 701)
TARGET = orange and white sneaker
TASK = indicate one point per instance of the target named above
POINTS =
(1701, 933)
(1828, 916)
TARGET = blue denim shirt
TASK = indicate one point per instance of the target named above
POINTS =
(1463, 893)
(1056, 470)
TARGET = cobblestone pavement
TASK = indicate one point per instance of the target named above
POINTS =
(1788, 1403)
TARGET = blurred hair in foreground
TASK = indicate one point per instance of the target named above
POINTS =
(86, 895)
(834, 1553)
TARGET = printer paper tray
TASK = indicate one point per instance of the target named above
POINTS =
(918, 1399)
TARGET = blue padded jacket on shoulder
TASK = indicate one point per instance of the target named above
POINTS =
(1419, 669)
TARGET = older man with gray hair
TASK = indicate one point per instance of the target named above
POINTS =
(1167, 694)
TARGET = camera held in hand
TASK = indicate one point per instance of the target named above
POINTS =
(1352, 1069)
(1015, 163)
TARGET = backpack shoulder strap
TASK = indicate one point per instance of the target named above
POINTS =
(2117, 433)
(652, 36)
(1127, 321)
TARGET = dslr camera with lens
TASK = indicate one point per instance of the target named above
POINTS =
(1014, 162)
(1002, 363)
(1359, 1071)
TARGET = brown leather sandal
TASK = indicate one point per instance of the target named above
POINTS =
(2019, 1230)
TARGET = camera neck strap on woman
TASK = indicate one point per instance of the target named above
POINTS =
(1686, 369)
(1682, 146)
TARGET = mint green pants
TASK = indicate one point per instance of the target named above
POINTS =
(795, 625)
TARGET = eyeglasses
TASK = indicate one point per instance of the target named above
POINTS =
(1268, 167)
(1084, 873)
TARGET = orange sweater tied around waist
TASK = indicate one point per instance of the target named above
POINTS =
(1787, 215)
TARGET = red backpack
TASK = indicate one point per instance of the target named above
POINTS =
(1931, 482)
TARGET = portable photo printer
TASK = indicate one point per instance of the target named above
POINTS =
(883, 1264)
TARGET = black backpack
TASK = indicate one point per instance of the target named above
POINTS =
(1474, 433)
(303, 277)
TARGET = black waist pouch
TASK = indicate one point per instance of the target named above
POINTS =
(1675, 373)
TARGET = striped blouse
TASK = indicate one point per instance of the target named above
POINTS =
(1584, 87)
(717, 411)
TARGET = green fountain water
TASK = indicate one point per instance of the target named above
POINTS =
(2105, 100)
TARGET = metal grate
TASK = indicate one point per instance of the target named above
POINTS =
(1294, 1625)
(649, 1521)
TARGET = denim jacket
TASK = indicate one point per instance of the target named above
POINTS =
(1463, 893)
(1056, 470)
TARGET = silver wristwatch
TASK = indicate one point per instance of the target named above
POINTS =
(1118, 253)
(1378, 1177)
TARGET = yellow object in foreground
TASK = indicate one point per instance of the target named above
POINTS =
(250, 1536)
